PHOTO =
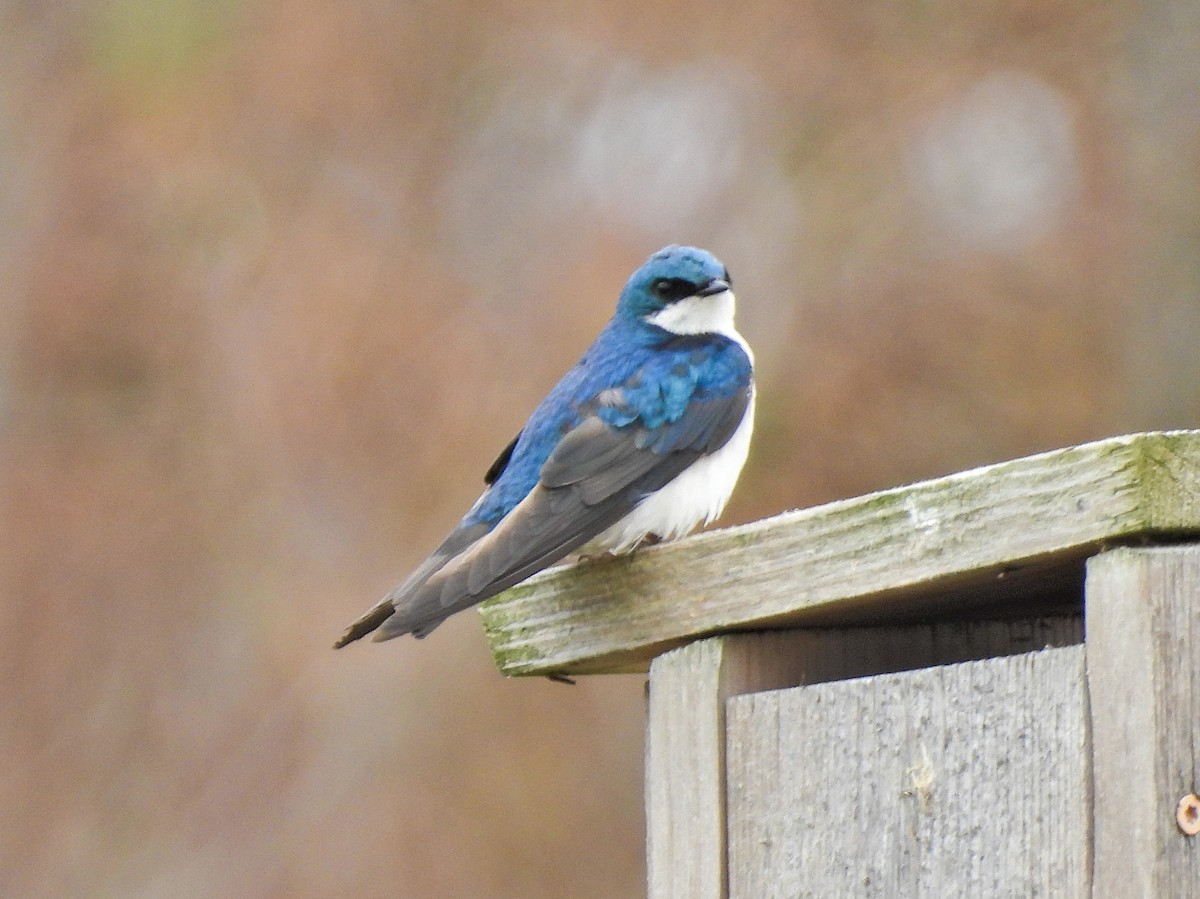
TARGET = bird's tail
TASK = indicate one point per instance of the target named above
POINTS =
(403, 597)
(367, 623)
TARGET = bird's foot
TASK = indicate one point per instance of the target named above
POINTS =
(648, 540)
(588, 558)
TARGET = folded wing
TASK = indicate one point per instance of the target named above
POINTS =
(596, 475)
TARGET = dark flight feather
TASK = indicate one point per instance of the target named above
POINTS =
(497, 468)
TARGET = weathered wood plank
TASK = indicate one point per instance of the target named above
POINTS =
(685, 808)
(1006, 533)
(1143, 670)
(685, 734)
(685, 754)
(958, 780)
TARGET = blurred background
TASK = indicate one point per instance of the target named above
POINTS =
(278, 280)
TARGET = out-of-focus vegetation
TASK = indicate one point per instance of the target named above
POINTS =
(278, 279)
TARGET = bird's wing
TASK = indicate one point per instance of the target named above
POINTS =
(595, 476)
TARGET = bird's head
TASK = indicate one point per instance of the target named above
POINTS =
(684, 290)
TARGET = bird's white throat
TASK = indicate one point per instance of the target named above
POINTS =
(701, 315)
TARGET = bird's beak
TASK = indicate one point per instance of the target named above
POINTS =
(715, 286)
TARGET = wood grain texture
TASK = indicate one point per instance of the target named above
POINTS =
(685, 754)
(959, 780)
(685, 774)
(685, 735)
(1004, 535)
(1143, 670)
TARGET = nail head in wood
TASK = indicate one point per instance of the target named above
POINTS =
(1187, 815)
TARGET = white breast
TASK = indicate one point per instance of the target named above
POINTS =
(695, 497)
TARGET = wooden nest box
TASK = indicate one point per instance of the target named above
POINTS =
(982, 685)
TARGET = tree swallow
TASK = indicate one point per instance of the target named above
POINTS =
(641, 441)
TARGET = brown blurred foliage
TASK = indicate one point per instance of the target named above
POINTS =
(279, 279)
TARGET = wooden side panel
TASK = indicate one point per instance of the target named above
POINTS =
(685, 754)
(685, 737)
(1143, 668)
(685, 807)
(960, 780)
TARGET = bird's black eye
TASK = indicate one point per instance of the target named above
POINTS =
(670, 290)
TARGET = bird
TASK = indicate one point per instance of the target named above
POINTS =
(642, 441)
